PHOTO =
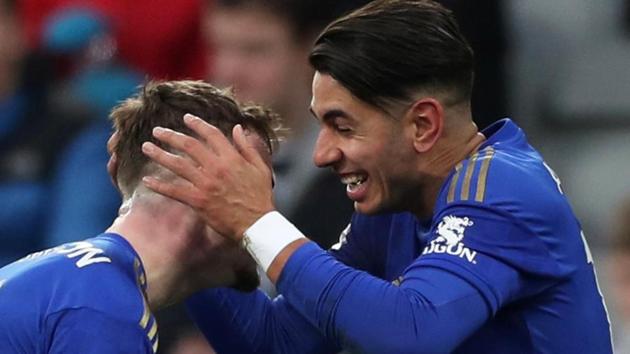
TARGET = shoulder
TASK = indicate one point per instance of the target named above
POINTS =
(102, 273)
(87, 330)
(510, 179)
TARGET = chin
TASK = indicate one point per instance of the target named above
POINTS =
(382, 207)
(370, 208)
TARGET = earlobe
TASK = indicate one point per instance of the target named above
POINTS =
(427, 121)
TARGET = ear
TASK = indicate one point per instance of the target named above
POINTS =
(426, 118)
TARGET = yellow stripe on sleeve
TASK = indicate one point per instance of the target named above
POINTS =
(483, 175)
(145, 316)
(153, 330)
(468, 176)
(451, 188)
(155, 345)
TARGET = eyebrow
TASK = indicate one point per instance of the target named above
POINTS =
(333, 113)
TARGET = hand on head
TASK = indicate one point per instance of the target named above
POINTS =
(230, 185)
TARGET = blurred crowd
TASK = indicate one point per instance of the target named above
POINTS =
(65, 63)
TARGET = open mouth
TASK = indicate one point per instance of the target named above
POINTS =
(353, 182)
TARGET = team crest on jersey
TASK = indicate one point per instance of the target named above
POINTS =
(450, 238)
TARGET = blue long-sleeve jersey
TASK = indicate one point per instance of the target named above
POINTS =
(502, 267)
(80, 297)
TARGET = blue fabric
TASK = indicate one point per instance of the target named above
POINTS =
(21, 218)
(88, 299)
(502, 267)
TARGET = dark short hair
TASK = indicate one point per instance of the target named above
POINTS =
(306, 17)
(164, 103)
(387, 50)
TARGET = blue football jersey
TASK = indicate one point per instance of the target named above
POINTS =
(80, 297)
(501, 267)
(502, 206)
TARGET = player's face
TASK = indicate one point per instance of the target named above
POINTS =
(366, 147)
(254, 51)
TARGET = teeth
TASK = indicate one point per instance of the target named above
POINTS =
(353, 181)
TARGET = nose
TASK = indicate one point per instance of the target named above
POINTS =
(326, 151)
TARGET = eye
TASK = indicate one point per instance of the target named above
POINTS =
(341, 125)
(342, 128)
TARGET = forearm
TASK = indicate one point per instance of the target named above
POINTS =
(373, 316)
(235, 322)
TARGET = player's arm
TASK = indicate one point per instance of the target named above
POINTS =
(444, 296)
(236, 322)
(432, 311)
(87, 331)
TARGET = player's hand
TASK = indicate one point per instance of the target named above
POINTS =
(230, 186)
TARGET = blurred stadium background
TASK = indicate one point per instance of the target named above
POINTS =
(560, 68)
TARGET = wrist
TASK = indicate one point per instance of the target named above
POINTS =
(268, 236)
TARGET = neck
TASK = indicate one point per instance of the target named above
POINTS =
(457, 144)
(164, 236)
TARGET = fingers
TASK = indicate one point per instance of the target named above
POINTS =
(179, 165)
(192, 147)
(210, 134)
(184, 193)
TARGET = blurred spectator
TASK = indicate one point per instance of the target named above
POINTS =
(32, 132)
(160, 38)
(82, 198)
(260, 49)
(620, 271)
(90, 41)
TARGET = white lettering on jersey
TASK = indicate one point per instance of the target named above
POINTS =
(86, 250)
(342, 239)
(450, 239)
(555, 177)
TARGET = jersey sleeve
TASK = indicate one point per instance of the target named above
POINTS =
(432, 311)
(237, 322)
(362, 244)
(87, 331)
(477, 243)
